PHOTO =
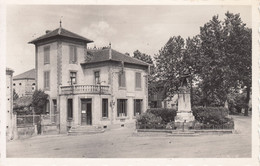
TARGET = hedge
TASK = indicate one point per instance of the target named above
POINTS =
(166, 114)
(211, 115)
(206, 117)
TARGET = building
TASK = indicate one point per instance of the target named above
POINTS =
(24, 84)
(98, 87)
(10, 118)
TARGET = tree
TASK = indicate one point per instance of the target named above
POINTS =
(15, 95)
(219, 59)
(239, 51)
(39, 101)
(170, 64)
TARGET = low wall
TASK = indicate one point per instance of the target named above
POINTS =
(26, 132)
(50, 129)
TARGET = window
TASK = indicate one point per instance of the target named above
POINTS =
(121, 79)
(104, 108)
(73, 54)
(70, 109)
(47, 80)
(97, 77)
(13, 84)
(121, 107)
(73, 78)
(54, 111)
(20, 83)
(138, 106)
(138, 80)
(47, 107)
(46, 55)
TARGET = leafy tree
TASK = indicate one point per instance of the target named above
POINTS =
(170, 64)
(238, 48)
(39, 101)
(219, 59)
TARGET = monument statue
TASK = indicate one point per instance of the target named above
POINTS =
(184, 112)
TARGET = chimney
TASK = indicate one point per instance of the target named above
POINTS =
(47, 31)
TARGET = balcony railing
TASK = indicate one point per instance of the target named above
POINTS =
(84, 89)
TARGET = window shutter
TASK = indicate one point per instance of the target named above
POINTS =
(125, 107)
(71, 54)
(138, 80)
(118, 107)
(48, 78)
(75, 54)
(123, 79)
(46, 51)
(44, 80)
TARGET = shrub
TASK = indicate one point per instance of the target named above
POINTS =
(167, 115)
(213, 117)
(149, 120)
(39, 100)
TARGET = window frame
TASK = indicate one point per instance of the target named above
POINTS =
(69, 109)
(47, 107)
(95, 71)
(46, 57)
(141, 106)
(123, 106)
(73, 58)
(106, 108)
(120, 79)
(76, 77)
(138, 88)
(44, 80)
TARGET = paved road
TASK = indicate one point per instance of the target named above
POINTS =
(120, 143)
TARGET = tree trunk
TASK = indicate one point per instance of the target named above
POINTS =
(247, 100)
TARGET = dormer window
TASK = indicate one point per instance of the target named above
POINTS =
(73, 54)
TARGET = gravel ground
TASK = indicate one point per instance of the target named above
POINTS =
(121, 143)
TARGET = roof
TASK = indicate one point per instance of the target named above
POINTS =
(26, 75)
(61, 32)
(101, 55)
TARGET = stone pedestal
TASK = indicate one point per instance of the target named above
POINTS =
(184, 118)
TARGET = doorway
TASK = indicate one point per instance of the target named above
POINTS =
(86, 112)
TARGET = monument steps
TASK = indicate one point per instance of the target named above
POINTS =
(183, 134)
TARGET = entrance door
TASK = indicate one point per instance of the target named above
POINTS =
(86, 112)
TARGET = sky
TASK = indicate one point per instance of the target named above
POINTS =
(128, 28)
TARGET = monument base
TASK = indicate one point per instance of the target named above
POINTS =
(184, 117)
(184, 120)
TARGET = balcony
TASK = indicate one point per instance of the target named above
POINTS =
(84, 89)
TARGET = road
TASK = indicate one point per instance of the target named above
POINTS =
(121, 143)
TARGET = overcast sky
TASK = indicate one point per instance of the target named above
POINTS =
(128, 28)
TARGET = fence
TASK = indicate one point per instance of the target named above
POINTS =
(28, 120)
(195, 126)
(31, 120)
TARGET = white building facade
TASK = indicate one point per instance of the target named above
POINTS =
(98, 87)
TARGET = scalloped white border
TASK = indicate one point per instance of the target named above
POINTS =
(140, 162)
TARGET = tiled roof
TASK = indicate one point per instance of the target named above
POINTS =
(61, 32)
(26, 75)
(102, 55)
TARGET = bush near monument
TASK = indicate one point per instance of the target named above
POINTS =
(166, 114)
(212, 117)
(148, 120)
(206, 118)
